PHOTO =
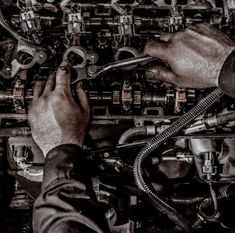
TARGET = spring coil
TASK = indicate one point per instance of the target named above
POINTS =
(156, 142)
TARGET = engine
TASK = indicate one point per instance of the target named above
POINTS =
(191, 171)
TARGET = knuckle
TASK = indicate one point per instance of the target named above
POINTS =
(88, 112)
(170, 46)
(160, 74)
(59, 94)
(178, 36)
(189, 29)
(56, 100)
(31, 116)
(205, 25)
(86, 115)
(43, 100)
(148, 46)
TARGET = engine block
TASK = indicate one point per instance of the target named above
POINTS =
(127, 109)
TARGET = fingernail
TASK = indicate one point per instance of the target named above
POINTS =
(149, 74)
(63, 68)
(79, 85)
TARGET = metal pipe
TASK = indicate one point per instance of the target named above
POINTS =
(137, 131)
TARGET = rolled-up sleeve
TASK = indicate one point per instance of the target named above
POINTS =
(67, 202)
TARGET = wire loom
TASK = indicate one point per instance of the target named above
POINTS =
(154, 143)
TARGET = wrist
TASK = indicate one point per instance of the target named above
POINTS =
(222, 60)
(78, 142)
(226, 80)
(46, 144)
(60, 163)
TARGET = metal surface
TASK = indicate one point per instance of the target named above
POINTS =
(93, 72)
(105, 41)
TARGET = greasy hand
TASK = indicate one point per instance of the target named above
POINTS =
(55, 118)
(195, 56)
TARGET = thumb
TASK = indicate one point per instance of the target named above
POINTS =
(83, 99)
(159, 73)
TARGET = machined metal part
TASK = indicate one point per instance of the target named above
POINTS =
(210, 122)
(104, 39)
(95, 71)
(79, 57)
(30, 22)
(35, 57)
(126, 52)
(8, 47)
(18, 96)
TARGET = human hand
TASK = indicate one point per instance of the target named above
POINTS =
(55, 118)
(195, 56)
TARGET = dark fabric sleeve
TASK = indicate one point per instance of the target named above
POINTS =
(227, 76)
(67, 203)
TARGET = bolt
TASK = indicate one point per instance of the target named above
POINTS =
(106, 154)
(18, 103)
(149, 74)
(92, 70)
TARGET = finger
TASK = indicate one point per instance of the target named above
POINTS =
(207, 32)
(165, 36)
(157, 49)
(50, 85)
(192, 28)
(63, 78)
(213, 32)
(82, 96)
(159, 73)
(38, 88)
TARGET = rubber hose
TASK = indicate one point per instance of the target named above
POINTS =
(179, 200)
(223, 192)
(136, 131)
(225, 118)
(156, 142)
(214, 200)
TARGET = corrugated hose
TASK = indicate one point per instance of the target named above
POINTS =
(154, 143)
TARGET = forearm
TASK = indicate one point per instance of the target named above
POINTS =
(227, 76)
(67, 200)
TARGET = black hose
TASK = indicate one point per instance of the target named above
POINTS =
(214, 200)
(156, 142)
(223, 192)
(181, 200)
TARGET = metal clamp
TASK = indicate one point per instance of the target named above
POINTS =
(82, 54)
(38, 57)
